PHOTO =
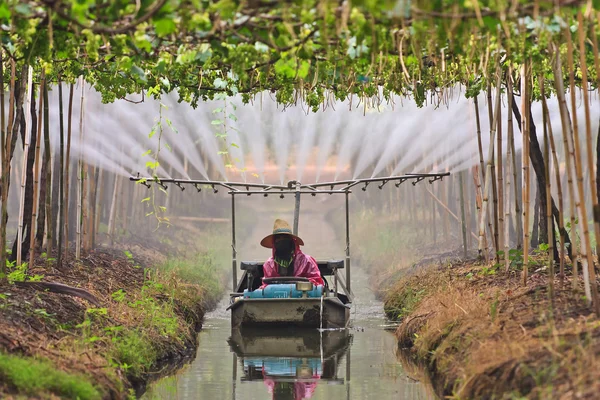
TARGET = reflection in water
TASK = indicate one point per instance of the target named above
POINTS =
(291, 363)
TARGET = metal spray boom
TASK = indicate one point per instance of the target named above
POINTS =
(293, 187)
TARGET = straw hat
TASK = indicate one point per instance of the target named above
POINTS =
(280, 227)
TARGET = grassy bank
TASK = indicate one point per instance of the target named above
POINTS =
(393, 247)
(481, 334)
(147, 314)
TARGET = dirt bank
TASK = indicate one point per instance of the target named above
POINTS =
(481, 334)
(142, 319)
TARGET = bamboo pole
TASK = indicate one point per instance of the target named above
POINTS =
(67, 164)
(488, 172)
(566, 128)
(3, 157)
(494, 124)
(589, 274)
(510, 142)
(500, 185)
(548, 196)
(561, 222)
(445, 208)
(525, 125)
(589, 142)
(80, 174)
(60, 175)
(113, 209)
(47, 158)
(24, 171)
(36, 171)
(462, 213)
(6, 170)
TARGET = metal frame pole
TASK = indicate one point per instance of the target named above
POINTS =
(233, 250)
(297, 209)
(348, 246)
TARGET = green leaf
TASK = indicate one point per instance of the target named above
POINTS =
(235, 145)
(4, 11)
(137, 71)
(145, 199)
(233, 117)
(164, 27)
(217, 110)
(216, 122)
(146, 153)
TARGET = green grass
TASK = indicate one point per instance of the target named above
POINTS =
(38, 378)
(202, 270)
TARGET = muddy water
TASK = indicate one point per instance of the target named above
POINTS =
(356, 363)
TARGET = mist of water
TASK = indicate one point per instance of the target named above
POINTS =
(341, 141)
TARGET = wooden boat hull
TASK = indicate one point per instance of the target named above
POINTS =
(302, 312)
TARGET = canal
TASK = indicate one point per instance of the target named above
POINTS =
(356, 363)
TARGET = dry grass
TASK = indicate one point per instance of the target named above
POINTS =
(485, 336)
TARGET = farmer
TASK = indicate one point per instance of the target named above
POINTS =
(287, 259)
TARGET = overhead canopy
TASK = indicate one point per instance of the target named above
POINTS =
(306, 50)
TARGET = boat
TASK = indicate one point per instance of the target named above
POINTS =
(290, 301)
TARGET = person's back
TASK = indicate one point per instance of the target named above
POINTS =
(287, 259)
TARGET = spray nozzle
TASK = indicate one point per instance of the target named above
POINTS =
(419, 179)
(198, 187)
(382, 184)
(364, 189)
(215, 190)
(179, 185)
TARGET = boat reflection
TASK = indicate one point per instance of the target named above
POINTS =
(291, 363)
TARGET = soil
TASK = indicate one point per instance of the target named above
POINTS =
(44, 324)
(479, 333)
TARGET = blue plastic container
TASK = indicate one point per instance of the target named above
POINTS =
(282, 291)
(283, 366)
